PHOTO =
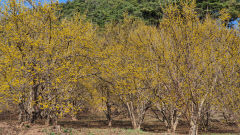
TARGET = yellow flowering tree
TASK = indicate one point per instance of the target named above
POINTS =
(193, 53)
(42, 59)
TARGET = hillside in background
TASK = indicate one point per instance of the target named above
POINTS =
(102, 11)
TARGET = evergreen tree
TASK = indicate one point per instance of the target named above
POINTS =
(102, 11)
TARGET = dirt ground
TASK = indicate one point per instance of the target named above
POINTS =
(92, 124)
(37, 129)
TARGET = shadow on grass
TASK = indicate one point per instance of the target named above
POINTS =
(95, 124)
(153, 127)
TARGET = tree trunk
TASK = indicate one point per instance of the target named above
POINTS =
(195, 114)
(109, 109)
(25, 111)
(51, 119)
(205, 117)
(137, 114)
(194, 125)
(109, 114)
(174, 125)
(35, 111)
(130, 108)
(170, 117)
(171, 124)
(196, 111)
(23, 116)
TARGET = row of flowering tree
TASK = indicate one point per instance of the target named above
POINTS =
(182, 68)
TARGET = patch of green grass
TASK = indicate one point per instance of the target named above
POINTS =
(27, 126)
(52, 133)
(134, 131)
(90, 134)
(67, 130)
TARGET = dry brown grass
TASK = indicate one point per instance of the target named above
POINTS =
(92, 124)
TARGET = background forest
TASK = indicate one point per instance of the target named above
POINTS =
(175, 60)
(151, 11)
